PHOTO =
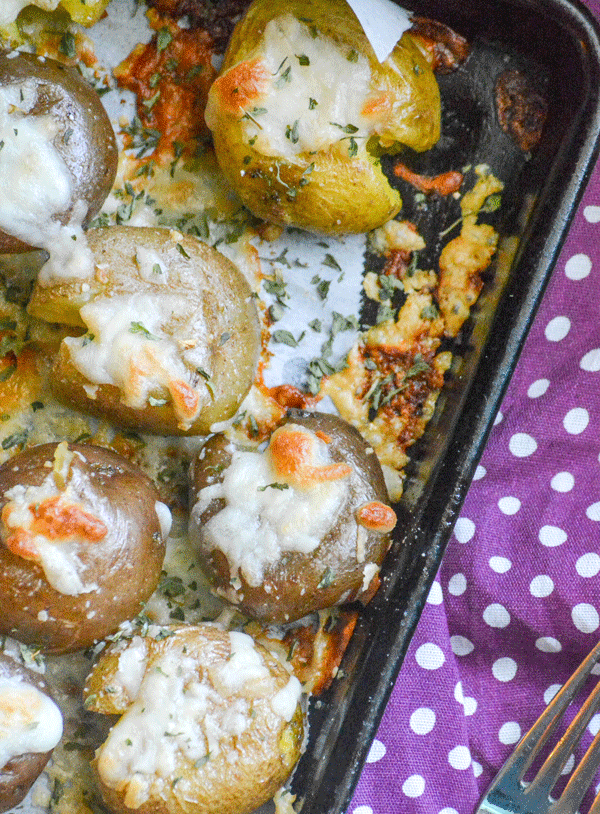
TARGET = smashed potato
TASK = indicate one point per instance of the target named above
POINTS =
(302, 110)
(81, 544)
(210, 723)
(303, 526)
(172, 338)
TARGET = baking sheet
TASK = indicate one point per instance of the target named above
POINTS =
(556, 42)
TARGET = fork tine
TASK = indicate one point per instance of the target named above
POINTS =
(550, 771)
(531, 743)
(595, 807)
(580, 780)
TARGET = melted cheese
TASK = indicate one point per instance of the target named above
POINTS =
(37, 187)
(127, 346)
(58, 552)
(268, 512)
(29, 720)
(338, 87)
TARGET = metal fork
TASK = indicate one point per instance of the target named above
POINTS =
(509, 793)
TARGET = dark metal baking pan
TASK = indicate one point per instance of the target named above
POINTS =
(557, 44)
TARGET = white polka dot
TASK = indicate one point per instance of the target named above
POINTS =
(464, 529)
(578, 266)
(414, 786)
(435, 596)
(548, 644)
(576, 420)
(459, 758)
(376, 752)
(448, 810)
(551, 692)
(429, 656)
(363, 810)
(585, 617)
(538, 388)
(588, 565)
(457, 584)
(422, 720)
(496, 615)
(591, 361)
(504, 669)
(568, 767)
(593, 512)
(499, 418)
(480, 473)
(562, 482)
(477, 768)
(552, 536)
(594, 724)
(458, 692)
(592, 214)
(510, 732)
(500, 564)
(470, 706)
(509, 505)
(557, 329)
(541, 586)
(461, 646)
(522, 445)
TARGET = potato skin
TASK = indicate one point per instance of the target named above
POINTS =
(125, 563)
(265, 753)
(297, 583)
(211, 291)
(326, 191)
(20, 773)
(89, 150)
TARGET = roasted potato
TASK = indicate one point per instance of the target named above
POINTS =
(81, 544)
(173, 334)
(302, 110)
(211, 723)
(302, 526)
(59, 155)
(30, 727)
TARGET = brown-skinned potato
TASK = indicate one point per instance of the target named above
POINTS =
(241, 771)
(102, 509)
(344, 565)
(333, 187)
(85, 138)
(18, 775)
(210, 322)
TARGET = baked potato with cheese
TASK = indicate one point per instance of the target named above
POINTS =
(172, 338)
(82, 542)
(210, 723)
(30, 728)
(59, 155)
(302, 526)
(302, 110)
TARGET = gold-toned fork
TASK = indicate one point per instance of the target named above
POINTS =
(510, 793)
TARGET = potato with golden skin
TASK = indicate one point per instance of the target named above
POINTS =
(300, 527)
(81, 544)
(20, 771)
(173, 333)
(309, 169)
(210, 723)
(83, 136)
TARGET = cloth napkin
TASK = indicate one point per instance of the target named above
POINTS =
(515, 606)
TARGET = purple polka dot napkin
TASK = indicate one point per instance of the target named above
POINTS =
(515, 606)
